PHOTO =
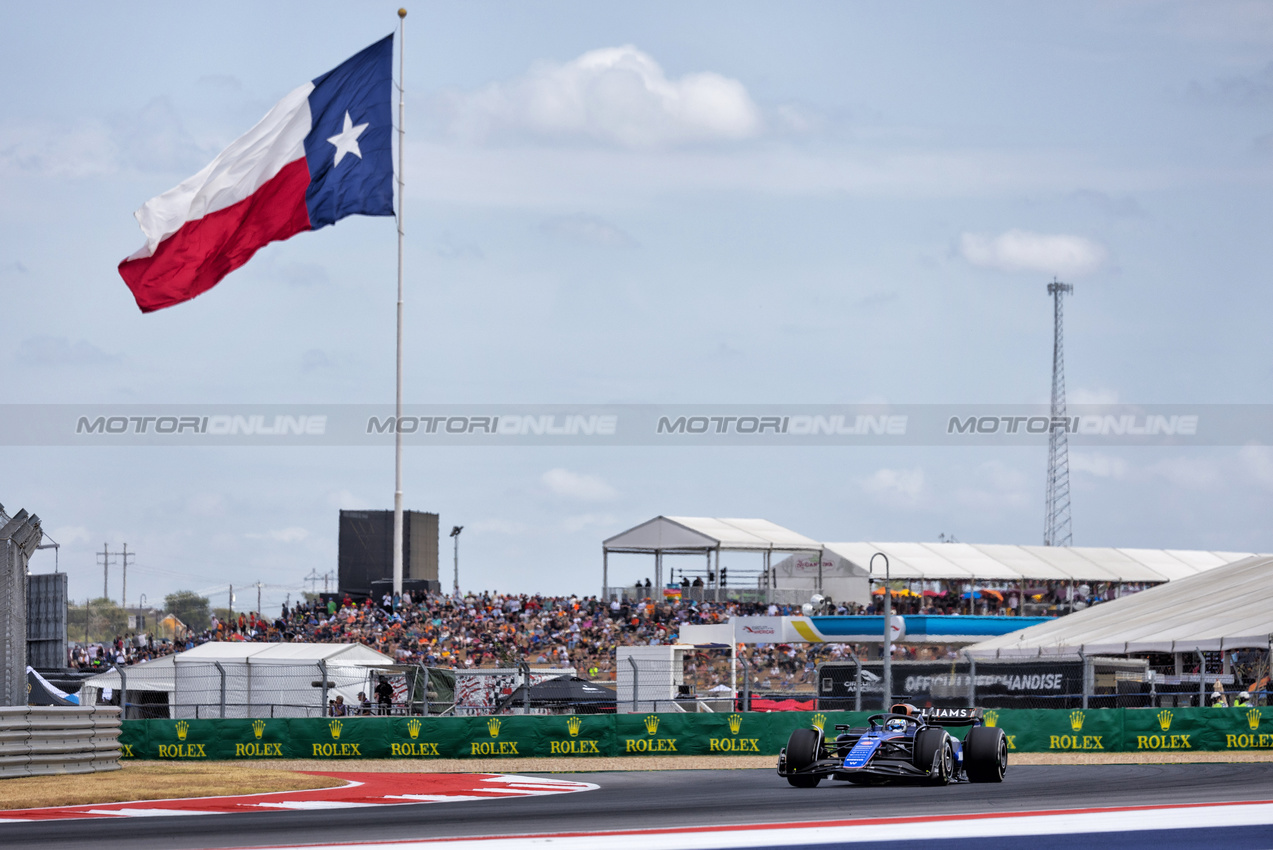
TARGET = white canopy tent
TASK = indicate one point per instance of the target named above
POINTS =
(707, 536)
(968, 562)
(1222, 608)
(279, 679)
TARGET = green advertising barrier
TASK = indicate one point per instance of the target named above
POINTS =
(737, 733)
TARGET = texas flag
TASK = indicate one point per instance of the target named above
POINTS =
(322, 153)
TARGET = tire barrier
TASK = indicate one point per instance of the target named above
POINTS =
(46, 740)
(1041, 730)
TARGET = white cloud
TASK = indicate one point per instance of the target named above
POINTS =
(1258, 463)
(291, 534)
(70, 535)
(59, 351)
(1099, 465)
(1089, 395)
(497, 526)
(574, 524)
(574, 485)
(588, 229)
(343, 500)
(615, 95)
(1021, 250)
(900, 486)
(1193, 473)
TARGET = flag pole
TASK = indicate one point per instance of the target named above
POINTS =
(397, 432)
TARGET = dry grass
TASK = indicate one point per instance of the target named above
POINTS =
(152, 780)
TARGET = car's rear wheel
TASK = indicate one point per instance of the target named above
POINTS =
(929, 742)
(802, 751)
(985, 754)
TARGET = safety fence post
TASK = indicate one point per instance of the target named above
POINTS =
(1087, 676)
(635, 682)
(123, 692)
(972, 680)
(857, 688)
(221, 671)
(1202, 679)
(322, 668)
(525, 670)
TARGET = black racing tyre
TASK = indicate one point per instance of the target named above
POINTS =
(927, 741)
(802, 751)
(985, 754)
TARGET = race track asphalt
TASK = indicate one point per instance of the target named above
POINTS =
(669, 799)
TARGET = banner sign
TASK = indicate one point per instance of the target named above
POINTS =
(941, 684)
(737, 733)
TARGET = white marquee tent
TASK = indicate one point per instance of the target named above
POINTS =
(707, 536)
(1224, 608)
(259, 679)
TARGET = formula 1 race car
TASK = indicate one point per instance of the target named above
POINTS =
(903, 744)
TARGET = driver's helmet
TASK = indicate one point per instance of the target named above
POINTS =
(895, 724)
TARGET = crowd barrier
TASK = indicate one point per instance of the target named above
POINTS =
(44, 740)
(752, 733)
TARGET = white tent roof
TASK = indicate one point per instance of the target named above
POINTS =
(698, 534)
(964, 561)
(1226, 607)
(284, 653)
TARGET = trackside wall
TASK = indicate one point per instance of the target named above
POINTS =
(752, 733)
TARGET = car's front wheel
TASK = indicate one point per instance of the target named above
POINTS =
(802, 751)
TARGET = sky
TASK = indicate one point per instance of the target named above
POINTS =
(708, 203)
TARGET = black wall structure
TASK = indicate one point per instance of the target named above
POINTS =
(18, 538)
(365, 560)
(46, 621)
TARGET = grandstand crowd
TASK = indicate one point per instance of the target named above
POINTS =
(496, 630)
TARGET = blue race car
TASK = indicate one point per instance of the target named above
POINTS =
(902, 744)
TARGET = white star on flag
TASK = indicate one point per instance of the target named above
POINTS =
(346, 141)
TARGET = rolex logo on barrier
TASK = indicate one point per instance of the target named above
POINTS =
(578, 746)
(182, 750)
(734, 744)
(494, 748)
(651, 744)
(1253, 718)
(335, 726)
(258, 747)
(990, 718)
(413, 748)
(1076, 720)
(1164, 720)
(820, 721)
(258, 728)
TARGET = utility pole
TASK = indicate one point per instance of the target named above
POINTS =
(105, 555)
(312, 578)
(326, 578)
(106, 565)
(231, 603)
(124, 591)
(1056, 520)
(258, 599)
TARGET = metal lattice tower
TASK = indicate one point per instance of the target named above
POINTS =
(1056, 521)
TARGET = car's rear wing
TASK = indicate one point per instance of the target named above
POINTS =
(952, 716)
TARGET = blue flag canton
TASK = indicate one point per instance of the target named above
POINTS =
(361, 183)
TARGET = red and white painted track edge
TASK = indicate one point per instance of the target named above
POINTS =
(981, 825)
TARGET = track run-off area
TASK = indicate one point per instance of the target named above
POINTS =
(1178, 805)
